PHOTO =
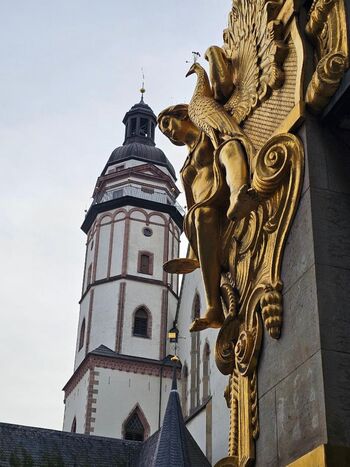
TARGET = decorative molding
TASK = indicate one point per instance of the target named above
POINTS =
(120, 317)
(166, 250)
(126, 246)
(96, 209)
(327, 31)
(97, 245)
(91, 402)
(125, 363)
(139, 170)
(129, 277)
(256, 297)
(110, 250)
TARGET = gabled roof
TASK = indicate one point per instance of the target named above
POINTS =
(103, 351)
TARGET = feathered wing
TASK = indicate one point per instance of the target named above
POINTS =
(216, 117)
(253, 44)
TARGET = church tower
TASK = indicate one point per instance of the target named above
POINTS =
(122, 375)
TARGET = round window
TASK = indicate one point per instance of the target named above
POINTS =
(147, 232)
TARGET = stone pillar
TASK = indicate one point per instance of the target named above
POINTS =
(304, 377)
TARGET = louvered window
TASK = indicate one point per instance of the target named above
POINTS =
(141, 323)
(133, 127)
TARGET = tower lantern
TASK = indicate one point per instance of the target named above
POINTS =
(140, 123)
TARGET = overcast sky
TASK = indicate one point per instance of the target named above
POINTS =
(70, 69)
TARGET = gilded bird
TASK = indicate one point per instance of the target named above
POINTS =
(206, 113)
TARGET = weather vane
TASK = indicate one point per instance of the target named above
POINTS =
(196, 56)
(142, 90)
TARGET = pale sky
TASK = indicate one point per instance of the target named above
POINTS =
(70, 70)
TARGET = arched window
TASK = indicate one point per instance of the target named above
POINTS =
(136, 427)
(206, 355)
(74, 426)
(195, 357)
(145, 263)
(82, 335)
(184, 389)
(142, 323)
(196, 307)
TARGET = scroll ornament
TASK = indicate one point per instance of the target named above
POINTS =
(327, 30)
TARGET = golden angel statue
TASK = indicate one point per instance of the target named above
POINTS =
(217, 189)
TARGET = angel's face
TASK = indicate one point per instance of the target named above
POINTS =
(174, 129)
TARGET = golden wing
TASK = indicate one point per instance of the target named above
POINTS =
(215, 116)
(253, 45)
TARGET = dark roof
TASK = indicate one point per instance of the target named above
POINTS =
(143, 152)
(175, 446)
(105, 351)
(148, 452)
(140, 107)
(24, 446)
(172, 448)
(38, 447)
(138, 145)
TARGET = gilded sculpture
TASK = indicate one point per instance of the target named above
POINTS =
(327, 30)
(242, 180)
(216, 188)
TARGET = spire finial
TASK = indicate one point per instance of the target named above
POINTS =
(142, 90)
(175, 359)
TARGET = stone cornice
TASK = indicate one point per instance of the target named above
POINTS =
(127, 277)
